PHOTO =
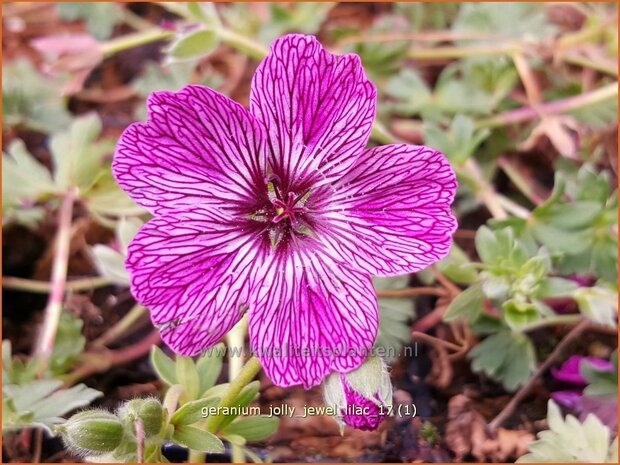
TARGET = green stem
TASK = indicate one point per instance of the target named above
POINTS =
(243, 43)
(235, 339)
(121, 326)
(134, 40)
(237, 454)
(248, 372)
(553, 321)
(196, 456)
(44, 287)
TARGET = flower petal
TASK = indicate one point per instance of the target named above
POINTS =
(193, 270)
(390, 214)
(198, 146)
(318, 108)
(313, 317)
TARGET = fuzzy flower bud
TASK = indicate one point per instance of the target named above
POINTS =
(362, 398)
(92, 432)
(149, 411)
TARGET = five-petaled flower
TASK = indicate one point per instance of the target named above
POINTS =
(279, 211)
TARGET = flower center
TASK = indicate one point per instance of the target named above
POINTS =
(284, 214)
(287, 209)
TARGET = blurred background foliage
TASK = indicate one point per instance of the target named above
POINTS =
(521, 97)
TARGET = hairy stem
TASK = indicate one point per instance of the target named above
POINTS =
(140, 437)
(53, 310)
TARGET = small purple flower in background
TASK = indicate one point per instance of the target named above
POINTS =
(279, 211)
(570, 372)
(363, 397)
(575, 399)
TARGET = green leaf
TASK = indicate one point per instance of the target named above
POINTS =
(42, 403)
(486, 245)
(24, 179)
(395, 316)
(516, 20)
(459, 142)
(68, 345)
(209, 367)
(467, 305)
(205, 12)
(197, 439)
(164, 366)
(76, 154)
(518, 314)
(110, 264)
(411, 92)
(457, 267)
(576, 215)
(253, 428)
(456, 96)
(597, 303)
(187, 376)
(126, 229)
(555, 287)
(558, 239)
(303, 17)
(600, 382)
(100, 18)
(507, 357)
(191, 412)
(382, 59)
(32, 100)
(495, 287)
(104, 198)
(194, 44)
(571, 441)
(14, 370)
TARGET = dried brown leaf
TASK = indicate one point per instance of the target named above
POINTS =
(466, 434)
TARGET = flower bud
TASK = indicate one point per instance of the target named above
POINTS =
(92, 432)
(362, 397)
(148, 410)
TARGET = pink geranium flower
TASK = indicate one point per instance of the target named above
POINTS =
(279, 211)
